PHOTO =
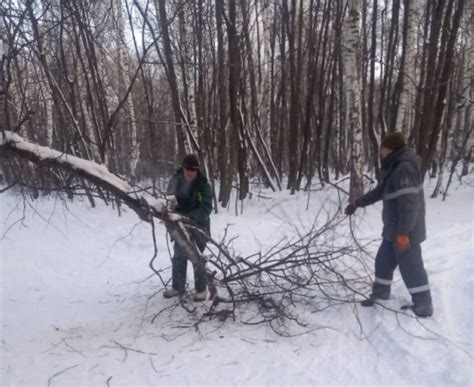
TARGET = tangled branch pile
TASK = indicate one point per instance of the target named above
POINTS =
(320, 266)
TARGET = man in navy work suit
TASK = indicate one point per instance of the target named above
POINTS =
(401, 189)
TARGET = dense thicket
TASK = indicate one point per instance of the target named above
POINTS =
(261, 89)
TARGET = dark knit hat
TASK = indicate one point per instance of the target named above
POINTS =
(394, 141)
(191, 162)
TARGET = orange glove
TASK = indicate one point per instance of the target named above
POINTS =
(403, 243)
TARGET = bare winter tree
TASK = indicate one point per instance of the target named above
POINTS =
(408, 73)
(353, 94)
(272, 92)
(260, 90)
(124, 77)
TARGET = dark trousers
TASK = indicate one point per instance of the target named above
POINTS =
(411, 268)
(179, 267)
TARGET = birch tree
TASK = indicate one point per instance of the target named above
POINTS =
(226, 169)
(404, 120)
(187, 62)
(351, 59)
(124, 70)
(45, 88)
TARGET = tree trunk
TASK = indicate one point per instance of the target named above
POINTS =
(187, 64)
(184, 142)
(371, 99)
(238, 135)
(226, 168)
(450, 30)
(352, 82)
(124, 70)
(404, 121)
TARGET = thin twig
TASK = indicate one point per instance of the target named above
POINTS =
(60, 373)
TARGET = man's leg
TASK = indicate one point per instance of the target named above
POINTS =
(385, 264)
(200, 279)
(416, 280)
(178, 272)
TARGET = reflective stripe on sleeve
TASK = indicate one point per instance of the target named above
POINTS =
(403, 191)
(382, 281)
(419, 289)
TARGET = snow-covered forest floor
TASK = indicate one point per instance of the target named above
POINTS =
(79, 304)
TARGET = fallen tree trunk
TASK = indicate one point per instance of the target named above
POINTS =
(13, 145)
(313, 266)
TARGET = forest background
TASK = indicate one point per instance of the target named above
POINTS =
(278, 92)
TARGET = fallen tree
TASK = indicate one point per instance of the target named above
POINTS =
(13, 145)
(312, 265)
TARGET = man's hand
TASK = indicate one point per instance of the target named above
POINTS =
(403, 243)
(350, 209)
(171, 203)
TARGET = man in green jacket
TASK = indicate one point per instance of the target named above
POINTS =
(194, 200)
(403, 215)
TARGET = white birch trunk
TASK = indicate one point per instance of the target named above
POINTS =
(124, 69)
(44, 85)
(405, 113)
(105, 70)
(13, 90)
(351, 51)
(186, 37)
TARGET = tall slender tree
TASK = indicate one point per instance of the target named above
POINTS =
(352, 59)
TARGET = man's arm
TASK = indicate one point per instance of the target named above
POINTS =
(370, 197)
(205, 204)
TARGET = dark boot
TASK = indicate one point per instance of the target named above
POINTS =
(379, 292)
(422, 304)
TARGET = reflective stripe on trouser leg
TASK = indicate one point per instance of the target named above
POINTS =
(385, 263)
(412, 270)
(419, 289)
(382, 281)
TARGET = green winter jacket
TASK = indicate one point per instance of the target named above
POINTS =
(401, 189)
(195, 201)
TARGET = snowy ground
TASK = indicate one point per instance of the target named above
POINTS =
(76, 307)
